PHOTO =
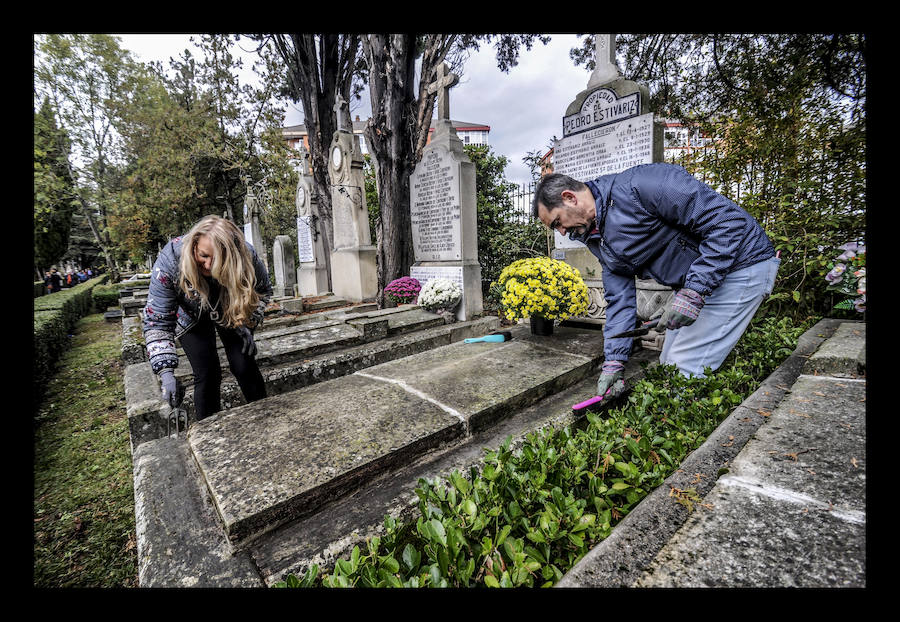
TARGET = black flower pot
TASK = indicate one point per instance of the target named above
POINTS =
(541, 326)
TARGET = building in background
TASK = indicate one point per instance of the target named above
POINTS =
(469, 134)
(680, 140)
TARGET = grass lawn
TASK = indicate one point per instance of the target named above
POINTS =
(84, 528)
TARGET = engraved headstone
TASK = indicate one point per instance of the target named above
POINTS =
(443, 208)
(285, 276)
(312, 274)
(353, 270)
(252, 229)
(607, 129)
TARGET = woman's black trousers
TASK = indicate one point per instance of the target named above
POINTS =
(199, 345)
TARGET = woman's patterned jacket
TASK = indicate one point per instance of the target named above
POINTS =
(169, 313)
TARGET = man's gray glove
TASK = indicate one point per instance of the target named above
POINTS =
(682, 311)
(172, 389)
(249, 347)
(612, 379)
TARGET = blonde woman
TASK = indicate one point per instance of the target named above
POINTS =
(206, 282)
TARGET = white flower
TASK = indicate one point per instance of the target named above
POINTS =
(440, 293)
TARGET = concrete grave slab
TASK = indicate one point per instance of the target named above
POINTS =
(180, 542)
(483, 381)
(814, 444)
(279, 458)
(758, 540)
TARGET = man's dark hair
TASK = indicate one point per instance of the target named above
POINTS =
(549, 191)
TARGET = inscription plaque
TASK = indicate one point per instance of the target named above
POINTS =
(435, 207)
(602, 151)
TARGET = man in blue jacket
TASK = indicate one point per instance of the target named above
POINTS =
(657, 221)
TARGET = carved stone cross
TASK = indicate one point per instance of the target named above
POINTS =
(441, 86)
(339, 104)
(605, 68)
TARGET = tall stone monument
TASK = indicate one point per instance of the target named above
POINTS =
(353, 272)
(252, 230)
(312, 273)
(443, 208)
(283, 263)
(607, 128)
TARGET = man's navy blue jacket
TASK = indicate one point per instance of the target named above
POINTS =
(657, 221)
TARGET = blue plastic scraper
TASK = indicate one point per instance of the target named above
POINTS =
(495, 337)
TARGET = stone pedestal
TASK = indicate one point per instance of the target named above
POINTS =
(355, 273)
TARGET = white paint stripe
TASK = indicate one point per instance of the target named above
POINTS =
(417, 393)
(781, 494)
(832, 378)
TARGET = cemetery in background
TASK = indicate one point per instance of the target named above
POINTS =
(796, 162)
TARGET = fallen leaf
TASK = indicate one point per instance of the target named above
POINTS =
(764, 413)
(730, 441)
(854, 463)
(818, 393)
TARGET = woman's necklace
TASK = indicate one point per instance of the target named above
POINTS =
(214, 314)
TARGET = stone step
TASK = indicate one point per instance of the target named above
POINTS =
(303, 340)
(844, 354)
(142, 389)
(283, 457)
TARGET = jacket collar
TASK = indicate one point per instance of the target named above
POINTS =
(601, 189)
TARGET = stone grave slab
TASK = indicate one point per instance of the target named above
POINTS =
(324, 302)
(282, 457)
(484, 381)
(820, 428)
(842, 355)
(780, 545)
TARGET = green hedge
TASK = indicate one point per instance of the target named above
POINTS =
(108, 295)
(55, 316)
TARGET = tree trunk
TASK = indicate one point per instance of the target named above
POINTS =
(317, 73)
(391, 61)
(85, 208)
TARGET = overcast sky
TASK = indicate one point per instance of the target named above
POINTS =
(524, 107)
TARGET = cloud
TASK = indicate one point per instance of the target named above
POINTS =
(523, 107)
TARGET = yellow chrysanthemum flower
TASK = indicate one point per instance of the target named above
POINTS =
(541, 286)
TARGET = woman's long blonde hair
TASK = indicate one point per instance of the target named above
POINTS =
(232, 267)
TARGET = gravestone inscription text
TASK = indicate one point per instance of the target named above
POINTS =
(435, 208)
(603, 151)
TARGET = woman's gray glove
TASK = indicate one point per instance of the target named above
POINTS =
(249, 347)
(612, 379)
(172, 389)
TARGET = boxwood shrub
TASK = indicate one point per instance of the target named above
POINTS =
(55, 316)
